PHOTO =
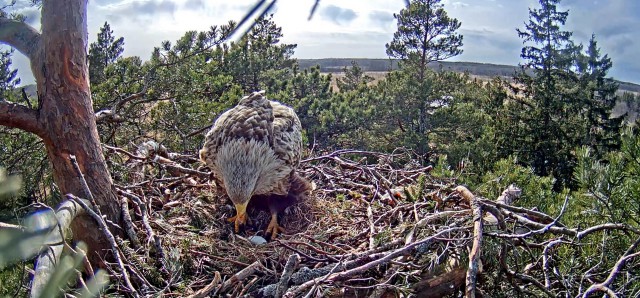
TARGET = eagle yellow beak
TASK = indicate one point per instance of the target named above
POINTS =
(241, 217)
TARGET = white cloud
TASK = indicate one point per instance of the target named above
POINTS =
(361, 28)
(459, 4)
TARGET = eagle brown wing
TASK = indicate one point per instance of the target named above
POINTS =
(287, 134)
(251, 119)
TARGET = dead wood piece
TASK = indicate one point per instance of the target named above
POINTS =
(239, 276)
(615, 271)
(283, 284)
(297, 251)
(476, 249)
(438, 216)
(509, 195)
(442, 285)
(465, 193)
(145, 222)
(545, 261)
(47, 261)
(94, 212)
(122, 151)
(10, 226)
(530, 214)
(208, 288)
(230, 261)
(176, 169)
(372, 228)
(305, 273)
(149, 149)
(380, 259)
(128, 224)
(112, 241)
(329, 245)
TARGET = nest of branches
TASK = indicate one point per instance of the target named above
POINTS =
(376, 225)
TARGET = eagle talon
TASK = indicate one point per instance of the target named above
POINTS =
(274, 228)
(240, 222)
(241, 219)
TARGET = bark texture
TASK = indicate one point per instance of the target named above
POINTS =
(64, 118)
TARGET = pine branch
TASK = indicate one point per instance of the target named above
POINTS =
(19, 116)
(20, 36)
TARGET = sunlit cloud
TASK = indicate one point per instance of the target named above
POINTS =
(360, 29)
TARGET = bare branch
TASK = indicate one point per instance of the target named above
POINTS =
(204, 292)
(93, 210)
(145, 222)
(110, 238)
(240, 276)
(343, 275)
(615, 271)
(46, 264)
(282, 286)
(474, 255)
(4, 225)
(20, 36)
(19, 116)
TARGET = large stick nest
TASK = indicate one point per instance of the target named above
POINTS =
(376, 225)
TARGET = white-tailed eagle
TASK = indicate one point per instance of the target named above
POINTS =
(253, 151)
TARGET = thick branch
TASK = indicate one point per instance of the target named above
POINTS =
(20, 36)
(474, 255)
(283, 284)
(47, 261)
(204, 292)
(18, 116)
(240, 276)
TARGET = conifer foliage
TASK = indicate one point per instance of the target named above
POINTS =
(425, 34)
(559, 84)
(103, 52)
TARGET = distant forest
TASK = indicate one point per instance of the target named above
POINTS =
(474, 68)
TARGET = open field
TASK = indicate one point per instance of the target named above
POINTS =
(620, 108)
(378, 67)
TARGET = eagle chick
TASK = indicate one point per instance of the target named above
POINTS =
(253, 151)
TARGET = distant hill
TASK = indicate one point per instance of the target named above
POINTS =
(474, 68)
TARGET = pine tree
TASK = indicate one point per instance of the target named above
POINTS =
(557, 87)
(8, 76)
(425, 34)
(600, 96)
(21, 153)
(103, 52)
(64, 119)
(259, 60)
(353, 78)
(543, 114)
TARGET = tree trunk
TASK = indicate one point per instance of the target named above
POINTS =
(65, 119)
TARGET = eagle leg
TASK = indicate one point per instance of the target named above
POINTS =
(274, 228)
(241, 218)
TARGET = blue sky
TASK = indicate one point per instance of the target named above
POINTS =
(361, 28)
